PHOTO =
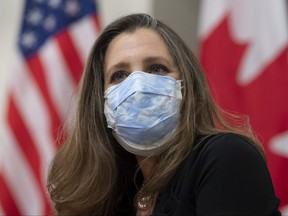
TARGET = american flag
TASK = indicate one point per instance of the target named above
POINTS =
(244, 50)
(54, 41)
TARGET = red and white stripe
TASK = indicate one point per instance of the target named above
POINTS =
(41, 93)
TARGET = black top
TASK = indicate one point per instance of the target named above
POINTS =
(223, 176)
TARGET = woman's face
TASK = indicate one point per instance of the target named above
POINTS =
(142, 50)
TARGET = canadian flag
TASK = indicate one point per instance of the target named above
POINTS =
(244, 51)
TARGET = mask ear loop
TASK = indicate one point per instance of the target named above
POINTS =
(180, 86)
(109, 115)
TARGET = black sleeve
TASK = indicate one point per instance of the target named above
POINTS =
(233, 179)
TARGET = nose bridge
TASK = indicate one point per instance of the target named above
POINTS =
(137, 69)
(136, 61)
(137, 65)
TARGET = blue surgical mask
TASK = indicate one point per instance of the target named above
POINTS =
(143, 111)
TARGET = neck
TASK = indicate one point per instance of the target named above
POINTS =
(147, 165)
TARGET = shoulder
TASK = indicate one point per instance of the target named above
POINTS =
(230, 174)
(223, 151)
(229, 154)
(223, 154)
(228, 147)
(225, 175)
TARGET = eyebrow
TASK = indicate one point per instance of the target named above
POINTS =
(148, 60)
(120, 65)
(157, 59)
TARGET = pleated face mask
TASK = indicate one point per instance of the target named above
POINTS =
(142, 111)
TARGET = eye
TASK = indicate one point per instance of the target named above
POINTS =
(158, 69)
(119, 76)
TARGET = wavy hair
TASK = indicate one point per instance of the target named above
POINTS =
(91, 172)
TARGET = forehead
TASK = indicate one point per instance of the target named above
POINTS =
(140, 35)
(139, 42)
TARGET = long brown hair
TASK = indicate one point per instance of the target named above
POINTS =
(86, 173)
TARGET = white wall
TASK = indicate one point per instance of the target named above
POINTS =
(10, 12)
(112, 9)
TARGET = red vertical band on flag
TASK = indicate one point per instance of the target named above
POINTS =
(70, 54)
(6, 198)
(96, 21)
(27, 145)
(219, 66)
(23, 138)
(38, 73)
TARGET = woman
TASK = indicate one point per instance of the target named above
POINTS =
(148, 138)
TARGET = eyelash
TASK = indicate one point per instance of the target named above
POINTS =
(163, 71)
(116, 79)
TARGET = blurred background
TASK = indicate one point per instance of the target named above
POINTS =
(242, 45)
(183, 17)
